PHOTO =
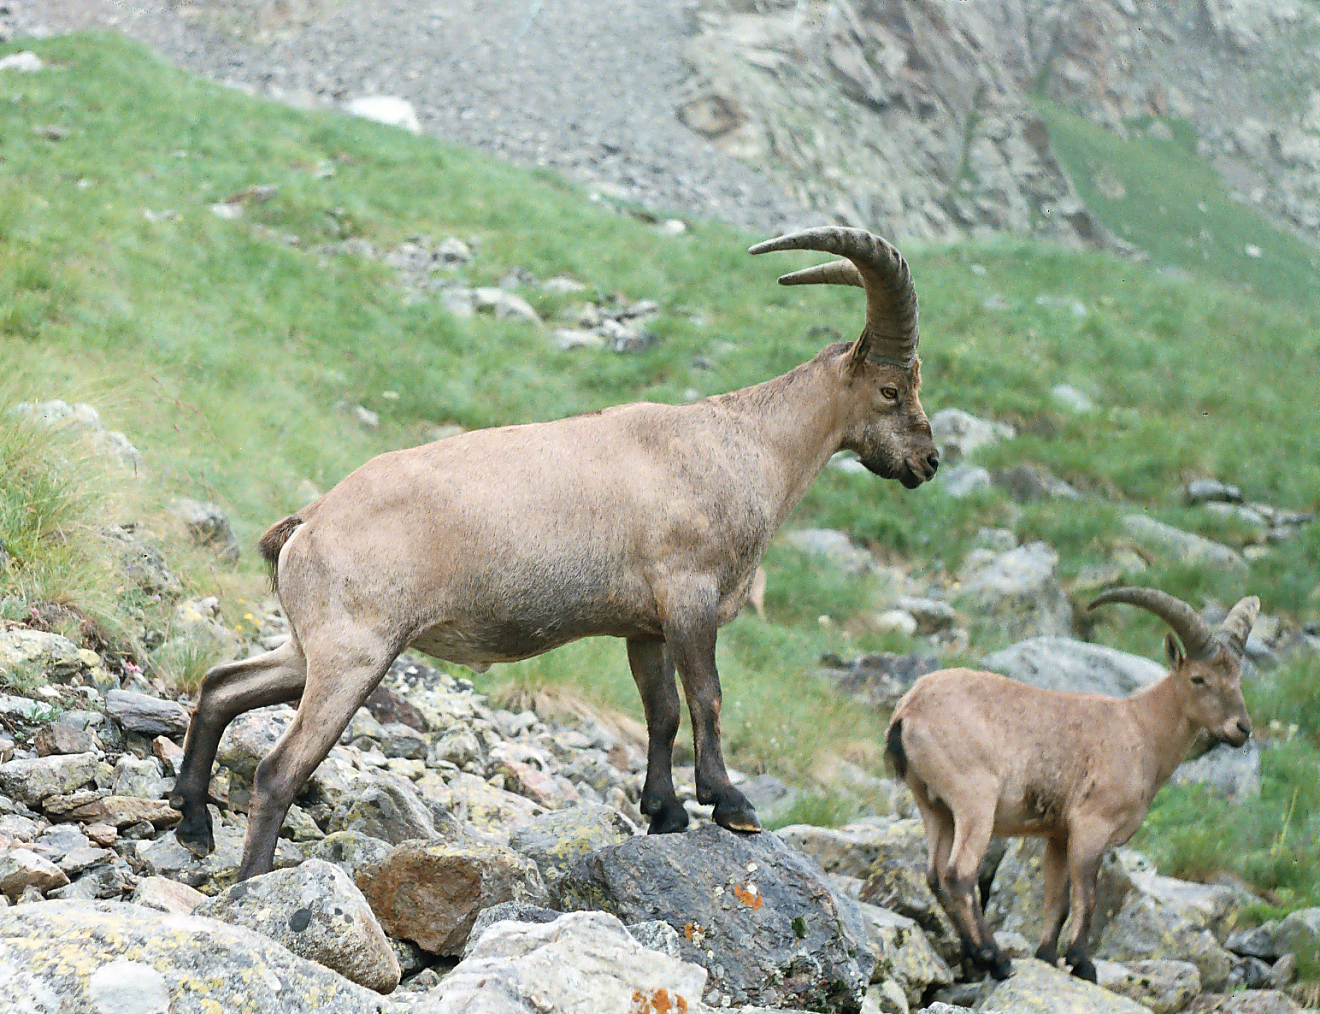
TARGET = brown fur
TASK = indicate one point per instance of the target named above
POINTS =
(273, 541)
(986, 756)
(645, 522)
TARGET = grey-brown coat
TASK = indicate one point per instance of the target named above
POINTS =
(986, 756)
(645, 522)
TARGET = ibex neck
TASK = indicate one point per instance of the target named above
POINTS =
(1168, 731)
(795, 419)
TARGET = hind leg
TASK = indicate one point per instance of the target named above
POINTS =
(343, 667)
(972, 829)
(227, 691)
(938, 823)
(653, 672)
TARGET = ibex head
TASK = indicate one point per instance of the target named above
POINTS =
(1207, 664)
(885, 425)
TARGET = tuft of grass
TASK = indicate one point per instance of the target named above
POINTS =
(823, 809)
(182, 662)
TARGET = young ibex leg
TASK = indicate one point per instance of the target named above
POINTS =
(690, 638)
(227, 691)
(1055, 864)
(972, 828)
(1084, 854)
(653, 671)
(340, 676)
(938, 823)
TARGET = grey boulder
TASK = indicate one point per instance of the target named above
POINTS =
(114, 957)
(581, 963)
(756, 914)
(316, 911)
(1061, 663)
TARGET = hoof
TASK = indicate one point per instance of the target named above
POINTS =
(1000, 967)
(194, 834)
(1049, 956)
(742, 820)
(669, 819)
(1085, 969)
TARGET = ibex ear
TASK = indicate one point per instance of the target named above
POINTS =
(1173, 649)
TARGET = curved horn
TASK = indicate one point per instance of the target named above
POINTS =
(1237, 624)
(872, 264)
(1193, 631)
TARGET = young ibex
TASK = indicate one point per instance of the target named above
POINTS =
(643, 521)
(986, 756)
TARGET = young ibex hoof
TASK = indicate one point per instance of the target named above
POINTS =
(670, 819)
(992, 960)
(1085, 969)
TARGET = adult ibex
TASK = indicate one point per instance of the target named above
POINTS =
(644, 521)
(986, 756)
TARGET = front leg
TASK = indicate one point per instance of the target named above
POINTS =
(653, 672)
(1085, 850)
(689, 628)
(1055, 864)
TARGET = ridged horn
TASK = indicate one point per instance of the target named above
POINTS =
(1193, 631)
(1237, 624)
(873, 264)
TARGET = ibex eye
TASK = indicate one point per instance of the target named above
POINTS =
(889, 392)
(1198, 681)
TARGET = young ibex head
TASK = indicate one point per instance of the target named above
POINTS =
(1208, 663)
(886, 425)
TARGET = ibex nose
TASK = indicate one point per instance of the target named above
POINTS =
(1245, 729)
(933, 461)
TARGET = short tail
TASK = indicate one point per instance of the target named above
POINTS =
(894, 748)
(273, 541)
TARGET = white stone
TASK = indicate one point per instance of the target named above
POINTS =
(958, 433)
(582, 963)
(388, 109)
(128, 987)
(26, 62)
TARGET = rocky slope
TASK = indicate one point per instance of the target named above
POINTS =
(911, 117)
(453, 856)
(916, 116)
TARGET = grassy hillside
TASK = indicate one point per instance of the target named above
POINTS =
(228, 356)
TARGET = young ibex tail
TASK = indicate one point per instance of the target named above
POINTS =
(986, 756)
(644, 522)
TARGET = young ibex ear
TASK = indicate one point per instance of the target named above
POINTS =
(1173, 649)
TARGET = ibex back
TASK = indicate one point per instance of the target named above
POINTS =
(645, 522)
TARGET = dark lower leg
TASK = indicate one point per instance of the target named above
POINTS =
(653, 672)
(227, 691)
(1082, 874)
(1054, 865)
(693, 649)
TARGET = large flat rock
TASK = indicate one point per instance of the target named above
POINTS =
(756, 914)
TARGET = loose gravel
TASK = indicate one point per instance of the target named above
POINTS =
(586, 87)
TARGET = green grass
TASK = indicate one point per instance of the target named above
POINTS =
(1177, 209)
(226, 356)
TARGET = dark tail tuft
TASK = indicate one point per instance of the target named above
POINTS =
(894, 749)
(273, 541)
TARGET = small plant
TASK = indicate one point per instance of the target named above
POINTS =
(820, 809)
